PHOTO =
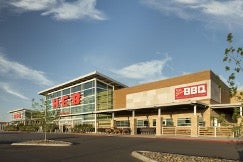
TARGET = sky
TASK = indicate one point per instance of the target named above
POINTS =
(48, 42)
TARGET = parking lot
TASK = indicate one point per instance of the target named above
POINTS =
(108, 148)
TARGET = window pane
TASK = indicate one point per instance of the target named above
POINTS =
(122, 123)
(142, 123)
(145, 123)
(88, 92)
(76, 88)
(88, 85)
(154, 122)
(101, 85)
(169, 122)
(66, 91)
(184, 122)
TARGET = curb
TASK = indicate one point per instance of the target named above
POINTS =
(236, 141)
(36, 143)
(178, 138)
(139, 156)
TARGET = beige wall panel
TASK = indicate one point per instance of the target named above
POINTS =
(120, 95)
(162, 96)
(121, 99)
(215, 92)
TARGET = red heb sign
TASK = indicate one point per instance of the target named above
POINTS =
(17, 116)
(191, 91)
(64, 100)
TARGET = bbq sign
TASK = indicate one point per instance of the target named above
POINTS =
(199, 90)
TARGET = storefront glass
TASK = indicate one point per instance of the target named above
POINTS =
(94, 96)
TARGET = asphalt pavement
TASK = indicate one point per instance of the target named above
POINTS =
(110, 148)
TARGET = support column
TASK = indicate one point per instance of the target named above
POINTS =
(133, 123)
(195, 110)
(159, 123)
(95, 123)
(194, 122)
(207, 117)
(113, 122)
(241, 111)
(239, 120)
(194, 126)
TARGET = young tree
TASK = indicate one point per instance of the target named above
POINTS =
(46, 118)
(233, 59)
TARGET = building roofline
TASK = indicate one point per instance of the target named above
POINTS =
(21, 109)
(83, 78)
(172, 79)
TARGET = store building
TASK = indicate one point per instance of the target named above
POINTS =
(79, 100)
(181, 105)
(20, 116)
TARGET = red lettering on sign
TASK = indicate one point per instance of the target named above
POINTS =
(55, 103)
(17, 116)
(191, 91)
(65, 101)
(76, 98)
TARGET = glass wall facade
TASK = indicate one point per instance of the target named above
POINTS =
(76, 104)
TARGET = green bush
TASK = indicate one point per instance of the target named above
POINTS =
(83, 128)
(11, 128)
(51, 127)
(29, 128)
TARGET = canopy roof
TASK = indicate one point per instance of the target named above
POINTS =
(84, 78)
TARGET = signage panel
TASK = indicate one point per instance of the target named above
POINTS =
(17, 115)
(66, 100)
(198, 90)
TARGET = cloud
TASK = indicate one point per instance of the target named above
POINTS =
(19, 71)
(6, 87)
(228, 12)
(61, 9)
(144, 71)
(32, 5)
(76, 10)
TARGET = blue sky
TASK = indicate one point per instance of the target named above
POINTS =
(46, 42)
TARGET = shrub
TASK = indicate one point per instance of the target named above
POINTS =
(11, 128)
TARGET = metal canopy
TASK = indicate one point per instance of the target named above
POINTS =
(84, 78)
(220, 106)
(174, 104)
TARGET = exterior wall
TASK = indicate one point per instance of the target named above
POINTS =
(120, 95)
(222, 91)
(164, 95)
(150, 118)
(207, 117)
(168, 91)
(215, 92)
(91, 95)
(161, 92)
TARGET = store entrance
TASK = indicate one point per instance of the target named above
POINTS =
(66, 128)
